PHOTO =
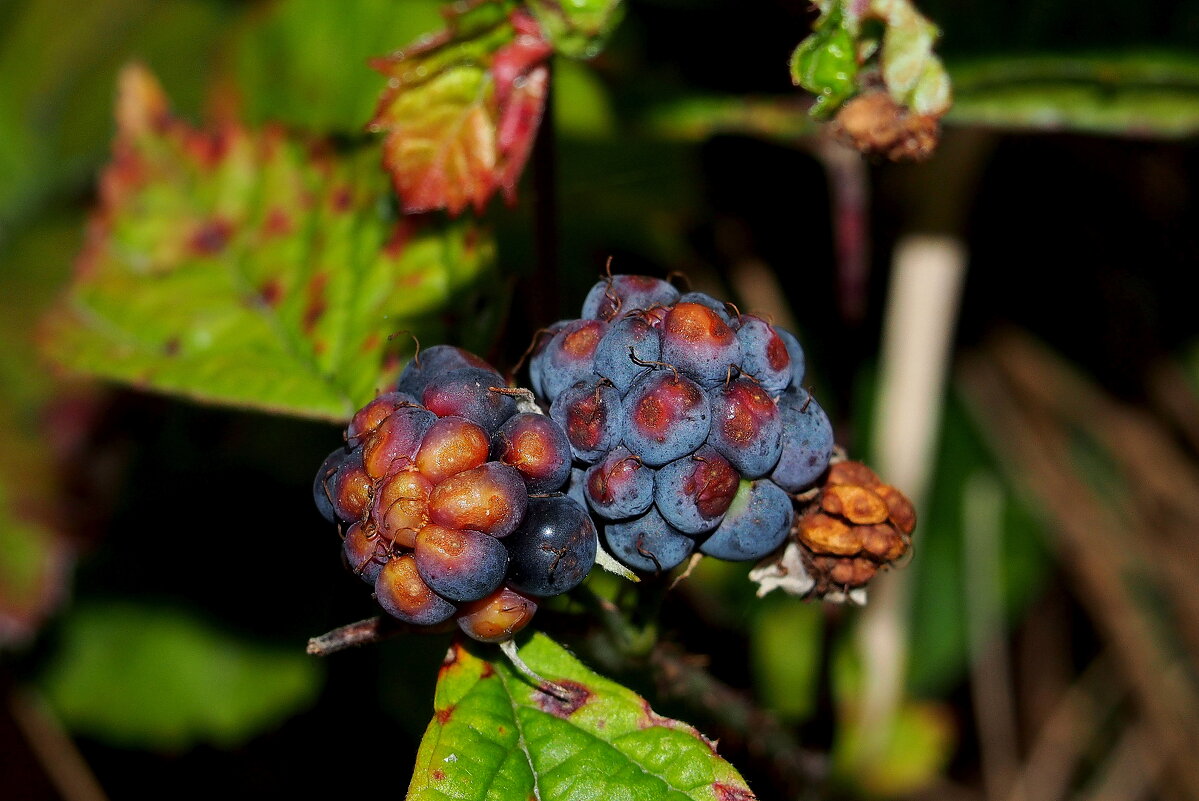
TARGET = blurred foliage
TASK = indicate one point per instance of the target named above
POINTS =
(1147, 93)
(578, 28)
(252, 269)
(939, 647)
(279, 76)
(786, 640)
(153, 677)
(35, 549)
(60, 67)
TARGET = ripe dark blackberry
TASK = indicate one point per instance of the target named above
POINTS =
(690, 420)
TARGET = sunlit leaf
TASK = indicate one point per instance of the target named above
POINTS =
(462, 108)
(255, 269)
(577, 28)
(303, 62)
(497, 735)
(158, 678)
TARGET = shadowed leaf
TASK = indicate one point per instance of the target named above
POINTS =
(255, 269)
(1134, 94)
(462, 108)
(42, 425)
(158, 678)
(495, 735)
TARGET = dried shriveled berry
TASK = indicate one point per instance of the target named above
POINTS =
(854, 526)
(858, 505)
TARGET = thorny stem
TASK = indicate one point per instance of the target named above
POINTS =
(683, 677)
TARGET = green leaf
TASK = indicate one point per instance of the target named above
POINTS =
(497, 736)
(158, 678)
(254, 269)
(462, 108)
(582, 107)
(825, 62)
(1136, 94)
(302, 61)
(33, 556)
(786, 648)
(577, 28)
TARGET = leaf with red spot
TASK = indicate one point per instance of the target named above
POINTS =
(258, 269)
(583, 737)
(462, 107)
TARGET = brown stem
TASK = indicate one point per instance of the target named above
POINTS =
(365, 632)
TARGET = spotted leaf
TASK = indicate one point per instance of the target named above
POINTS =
(497, 735)
(257, 269)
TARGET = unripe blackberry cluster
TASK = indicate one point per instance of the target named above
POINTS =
(692, 422)
(447, 499)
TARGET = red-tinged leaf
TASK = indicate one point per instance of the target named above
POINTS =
(257, 269)
(462, 108)
(495, 735)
